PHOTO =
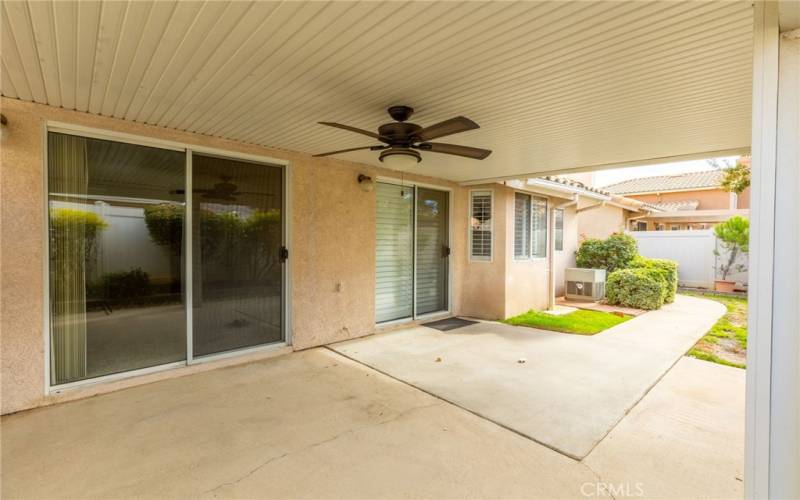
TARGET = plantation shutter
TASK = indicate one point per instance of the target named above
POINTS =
(394, 252)
(481, 225)
(522, 225)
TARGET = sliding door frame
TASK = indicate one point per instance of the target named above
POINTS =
(188, 149)
(450, 197)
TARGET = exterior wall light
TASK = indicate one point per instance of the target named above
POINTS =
(3, 123)
(366, 183)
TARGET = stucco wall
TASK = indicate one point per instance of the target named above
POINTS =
(566, 257)
(332, 241)
(526, 280)
(600, 222)
(484, 284)
(505, 286)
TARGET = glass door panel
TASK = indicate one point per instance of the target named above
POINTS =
(394, 252)
(237, 271)
(432, 251)
(116, 215)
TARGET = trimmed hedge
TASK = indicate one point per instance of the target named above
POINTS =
(642, 288)
(668, 269)
(615, 252)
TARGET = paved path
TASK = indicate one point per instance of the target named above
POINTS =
(571, 390)
(685, 439)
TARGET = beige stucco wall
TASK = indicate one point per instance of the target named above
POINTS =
(332, 241)
(506, 286)
(566, 257)
(484, 284)
(600, 222)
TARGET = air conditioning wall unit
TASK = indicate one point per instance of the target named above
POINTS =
(585, 284)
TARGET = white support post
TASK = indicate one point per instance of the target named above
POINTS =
(772, 458)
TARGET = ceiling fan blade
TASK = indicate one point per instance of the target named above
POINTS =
(447, 127)
(455, 149)
(353, 129)
(374, 148)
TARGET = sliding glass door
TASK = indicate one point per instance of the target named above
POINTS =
(116, 243)
(411, 252)
(236, 241)
(432, 251)
(119, 242)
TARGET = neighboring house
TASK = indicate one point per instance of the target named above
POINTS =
(604, 213)
(688, 201)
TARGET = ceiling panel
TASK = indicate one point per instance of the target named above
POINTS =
(554, 85)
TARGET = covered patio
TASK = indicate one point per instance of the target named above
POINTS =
(262, 125)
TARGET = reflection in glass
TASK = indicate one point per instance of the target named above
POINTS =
(236, 241)
(116, 232)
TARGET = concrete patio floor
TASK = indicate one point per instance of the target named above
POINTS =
(570, 391)
(307, 425)
(314, 424)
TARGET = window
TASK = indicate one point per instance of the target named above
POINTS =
(675, 227)
(539, 206)
(522, 226)
(559, 229)
(530, 226)
(641, 226)
(480, 227)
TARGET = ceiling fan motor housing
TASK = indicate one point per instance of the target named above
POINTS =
(398, 133)
(400, 113)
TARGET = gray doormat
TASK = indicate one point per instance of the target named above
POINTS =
(449, 324)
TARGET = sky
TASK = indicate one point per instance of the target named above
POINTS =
(606, 177)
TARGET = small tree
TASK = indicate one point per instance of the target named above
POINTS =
(737, 178)
(734, 236)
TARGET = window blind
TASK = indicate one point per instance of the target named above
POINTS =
(394, 252)
(539, 207)
(480, 209)
(522, 225)
(559, 229)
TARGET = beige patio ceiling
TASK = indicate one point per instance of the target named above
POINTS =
(554, 86)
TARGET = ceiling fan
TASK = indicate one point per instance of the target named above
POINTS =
(222, 191)
(402, 140)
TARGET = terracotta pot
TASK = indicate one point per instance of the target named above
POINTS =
(724, 286)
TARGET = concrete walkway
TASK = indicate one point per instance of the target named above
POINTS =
(570, 391)
(685, 439)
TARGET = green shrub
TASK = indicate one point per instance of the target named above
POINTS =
(668, 269)
(125, 286)
(615, 252)
(642, 288)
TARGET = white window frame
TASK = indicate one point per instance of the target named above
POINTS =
(470, 255)
(546, 227)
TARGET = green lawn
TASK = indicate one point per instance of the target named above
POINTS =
(726, 342)
(581, 321)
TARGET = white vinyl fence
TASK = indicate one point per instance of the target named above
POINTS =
(694, 252)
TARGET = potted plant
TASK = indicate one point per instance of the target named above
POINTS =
(734, 238)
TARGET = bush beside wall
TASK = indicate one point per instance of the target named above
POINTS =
(668, 269)
(642, 288)
(615, 252)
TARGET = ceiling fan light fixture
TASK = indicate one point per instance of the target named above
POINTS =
(400, 158)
